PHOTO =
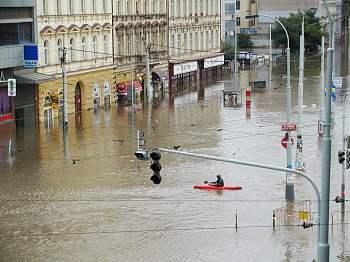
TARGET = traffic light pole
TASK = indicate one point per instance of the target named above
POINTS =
(252, 164)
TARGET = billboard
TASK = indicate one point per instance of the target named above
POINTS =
(30, 56)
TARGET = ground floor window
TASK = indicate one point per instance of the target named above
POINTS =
(5, 102)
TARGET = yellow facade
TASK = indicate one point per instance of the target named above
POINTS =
(94, 85)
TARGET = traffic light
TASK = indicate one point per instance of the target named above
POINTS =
(141, 154)
(341, 156)
(347, 159)
(339, 199)
(156, 167)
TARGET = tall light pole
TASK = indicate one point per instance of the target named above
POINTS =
(326, 154)
(289, 185)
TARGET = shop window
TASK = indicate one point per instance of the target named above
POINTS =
(5, 102)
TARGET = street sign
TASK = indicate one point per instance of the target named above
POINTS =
(288, 126)
(11, 87)
(284, 142)
(338, 82)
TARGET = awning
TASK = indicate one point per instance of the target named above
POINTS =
(30, 77)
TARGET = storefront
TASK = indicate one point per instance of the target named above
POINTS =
(5, 105)
(84, 93)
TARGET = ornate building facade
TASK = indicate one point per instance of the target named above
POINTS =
(84, 27)
(137, 23)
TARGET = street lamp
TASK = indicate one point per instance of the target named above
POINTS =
(289, 185)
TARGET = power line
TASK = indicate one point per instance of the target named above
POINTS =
(157, 230)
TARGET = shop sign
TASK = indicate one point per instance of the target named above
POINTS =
(30, 56)
(248, 31)
(96, 91)
(48, 100)
(106, 89)
(214, 61)
(185, 68)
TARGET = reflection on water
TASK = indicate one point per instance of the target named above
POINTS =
(102, 206)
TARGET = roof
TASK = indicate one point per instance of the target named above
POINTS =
(30, 77)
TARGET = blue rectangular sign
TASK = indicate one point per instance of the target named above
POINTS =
(30, 56)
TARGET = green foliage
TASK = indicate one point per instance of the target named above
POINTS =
(228, 48)
(293, 23)
(244, 42)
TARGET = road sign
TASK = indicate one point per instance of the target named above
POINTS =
(11, 87)
(284, 142)
(338, 82)
(288, 126)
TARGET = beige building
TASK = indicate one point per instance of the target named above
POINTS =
(84, 27)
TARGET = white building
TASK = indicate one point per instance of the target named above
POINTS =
(85, 28)
(137, 23)
(194, 44)
(194, 27)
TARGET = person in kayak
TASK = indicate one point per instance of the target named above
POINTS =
(219, 181)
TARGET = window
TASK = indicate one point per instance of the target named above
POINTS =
(70, 6)
(238, 5)
(195, 7)
(104, 6)
(196, 41)
(178, 7)
(82, 5)
(137, 6)
(105, 45)
(59, 7)
(172, 8)
(59, 50)
(46, 52)
(16, 33)
(129, 47)
(154, 7)
(119, 45)
(71, 47)
(44, 7)
(128, 7)
(190, 7)
(118, 8)
(83, 47)
(179, 47)
(172, 44)
(94, 7)
(94, 46)
(238, 21)
(229, 9)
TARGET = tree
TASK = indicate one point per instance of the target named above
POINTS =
(244, 41)
(313, 31)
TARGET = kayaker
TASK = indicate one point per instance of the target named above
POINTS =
(219, 181)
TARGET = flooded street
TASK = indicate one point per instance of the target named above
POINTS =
(103, 207)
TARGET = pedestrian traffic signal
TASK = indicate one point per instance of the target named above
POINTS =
(347, 159)
(341, 156)
(156, 167)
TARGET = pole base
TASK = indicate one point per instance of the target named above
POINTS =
(290, 192)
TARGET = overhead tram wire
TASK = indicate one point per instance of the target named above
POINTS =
(57, 234)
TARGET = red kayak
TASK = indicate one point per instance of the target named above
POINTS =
(209, 187)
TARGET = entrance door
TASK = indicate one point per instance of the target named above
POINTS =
(77, 99)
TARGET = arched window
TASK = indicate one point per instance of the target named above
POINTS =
(59, 47)
(46, 52)
(71, 49)
(83, 47)
(94, 46)
(105, 46)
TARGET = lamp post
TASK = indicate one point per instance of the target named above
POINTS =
(326, 154)
(289, 185)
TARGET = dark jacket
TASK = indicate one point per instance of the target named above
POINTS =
(220, 182)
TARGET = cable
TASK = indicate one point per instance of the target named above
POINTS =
(159, 230)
